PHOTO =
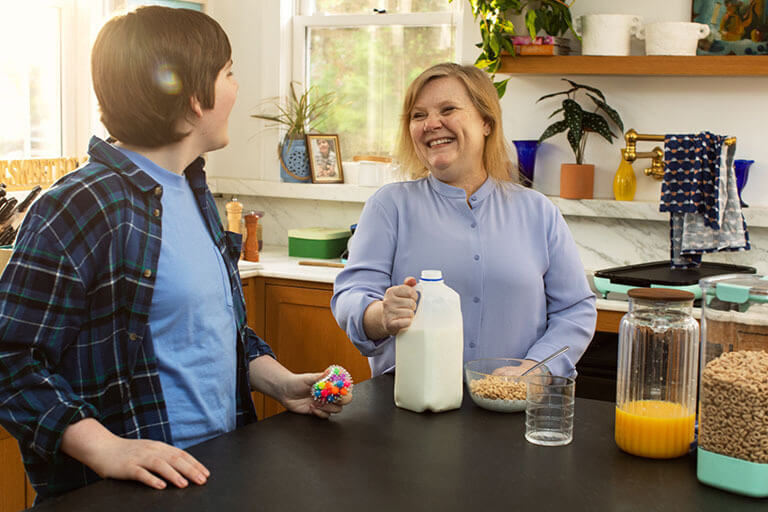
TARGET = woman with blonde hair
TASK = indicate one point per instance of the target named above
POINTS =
(504, 248)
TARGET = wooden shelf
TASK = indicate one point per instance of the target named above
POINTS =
(702, 65)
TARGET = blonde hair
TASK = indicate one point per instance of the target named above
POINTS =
(485, 99)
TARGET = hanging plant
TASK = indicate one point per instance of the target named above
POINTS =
(496, 29)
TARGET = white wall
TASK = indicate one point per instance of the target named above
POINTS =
(259, 56)
(652, 104)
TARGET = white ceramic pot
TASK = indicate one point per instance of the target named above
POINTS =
(672, 37)
(351, 172)
(606, 34)
(369, 174)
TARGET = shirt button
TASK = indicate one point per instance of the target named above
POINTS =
(473, 198)
(476, 300)
(472, 345)
(133, 336)
(147, 273)
(158, 191)
(156, 212)
(477, 257)
(473, 225)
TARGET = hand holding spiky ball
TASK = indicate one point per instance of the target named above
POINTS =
(335, 384)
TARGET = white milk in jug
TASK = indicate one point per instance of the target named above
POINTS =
(429, 354)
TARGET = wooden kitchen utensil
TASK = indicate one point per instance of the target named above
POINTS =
(321, 264)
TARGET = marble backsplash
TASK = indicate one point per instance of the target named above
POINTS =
(604, 241)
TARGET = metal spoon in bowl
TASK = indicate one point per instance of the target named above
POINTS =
(545, 360)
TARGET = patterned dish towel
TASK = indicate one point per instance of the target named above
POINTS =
(699, 190)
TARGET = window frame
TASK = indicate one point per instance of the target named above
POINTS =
(301, 24)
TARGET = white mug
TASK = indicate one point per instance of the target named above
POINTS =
(672, 37)
(606, 34)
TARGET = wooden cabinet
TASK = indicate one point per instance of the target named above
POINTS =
(15, 492)
(295, 318)
(608, 321)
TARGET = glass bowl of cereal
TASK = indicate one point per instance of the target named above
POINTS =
(496, 384)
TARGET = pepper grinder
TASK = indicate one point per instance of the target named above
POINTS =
(251, 251)
(234, 213)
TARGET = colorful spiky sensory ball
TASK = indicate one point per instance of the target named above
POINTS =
(333, 387)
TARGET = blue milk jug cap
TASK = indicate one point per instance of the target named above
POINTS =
(431, 275)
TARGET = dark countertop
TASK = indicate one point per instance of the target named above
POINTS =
(374, 456)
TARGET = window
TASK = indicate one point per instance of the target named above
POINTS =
(368, 52)
(30, 81)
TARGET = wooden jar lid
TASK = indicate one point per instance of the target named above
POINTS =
(660, 294)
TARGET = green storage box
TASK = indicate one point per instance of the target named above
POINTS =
(322, 243)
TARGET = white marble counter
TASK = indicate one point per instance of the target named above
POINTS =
(275, 262)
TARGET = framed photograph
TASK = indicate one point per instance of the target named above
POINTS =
(324, 158)
(737, 27)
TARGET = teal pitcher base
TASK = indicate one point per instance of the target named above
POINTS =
(731, 474)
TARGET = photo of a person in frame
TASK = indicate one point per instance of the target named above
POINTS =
(324, 153)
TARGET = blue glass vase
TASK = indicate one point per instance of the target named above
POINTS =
(526, 159)
(741, 167)
(294, 161)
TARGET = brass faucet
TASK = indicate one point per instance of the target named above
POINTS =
(656, 170)
(630, 154)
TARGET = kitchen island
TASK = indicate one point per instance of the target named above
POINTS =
(374, 456)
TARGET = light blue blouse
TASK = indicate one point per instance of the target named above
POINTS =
(510, 257)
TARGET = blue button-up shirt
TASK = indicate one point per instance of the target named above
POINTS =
(74, 310)
(510, 256)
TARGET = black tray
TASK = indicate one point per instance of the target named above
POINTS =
(661, 273)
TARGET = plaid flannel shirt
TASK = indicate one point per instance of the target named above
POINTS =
(74, 312)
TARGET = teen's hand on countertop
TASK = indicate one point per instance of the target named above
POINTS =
(152, 463)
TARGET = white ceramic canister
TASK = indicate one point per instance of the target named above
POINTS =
(351, 173)
(369, 174)
(606, 34)
(429, 354)
(672, 37)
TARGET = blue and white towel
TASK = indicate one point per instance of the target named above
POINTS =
(699, 190)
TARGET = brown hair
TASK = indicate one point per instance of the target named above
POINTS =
(485, 99)
(148, 63)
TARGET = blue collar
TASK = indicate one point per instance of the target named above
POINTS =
(105, 153)
(452, 192)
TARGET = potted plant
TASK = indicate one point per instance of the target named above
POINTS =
(299, 114)
(577, 180)
(553, 17)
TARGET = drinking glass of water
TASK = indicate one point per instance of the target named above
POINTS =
(549, 410)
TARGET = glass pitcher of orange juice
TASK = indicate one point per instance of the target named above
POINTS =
(657, 374)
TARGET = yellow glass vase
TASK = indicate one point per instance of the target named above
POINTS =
(624, 182)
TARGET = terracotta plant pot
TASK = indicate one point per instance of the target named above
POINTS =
(577, 181)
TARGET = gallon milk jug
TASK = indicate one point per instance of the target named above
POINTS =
(429, 354)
